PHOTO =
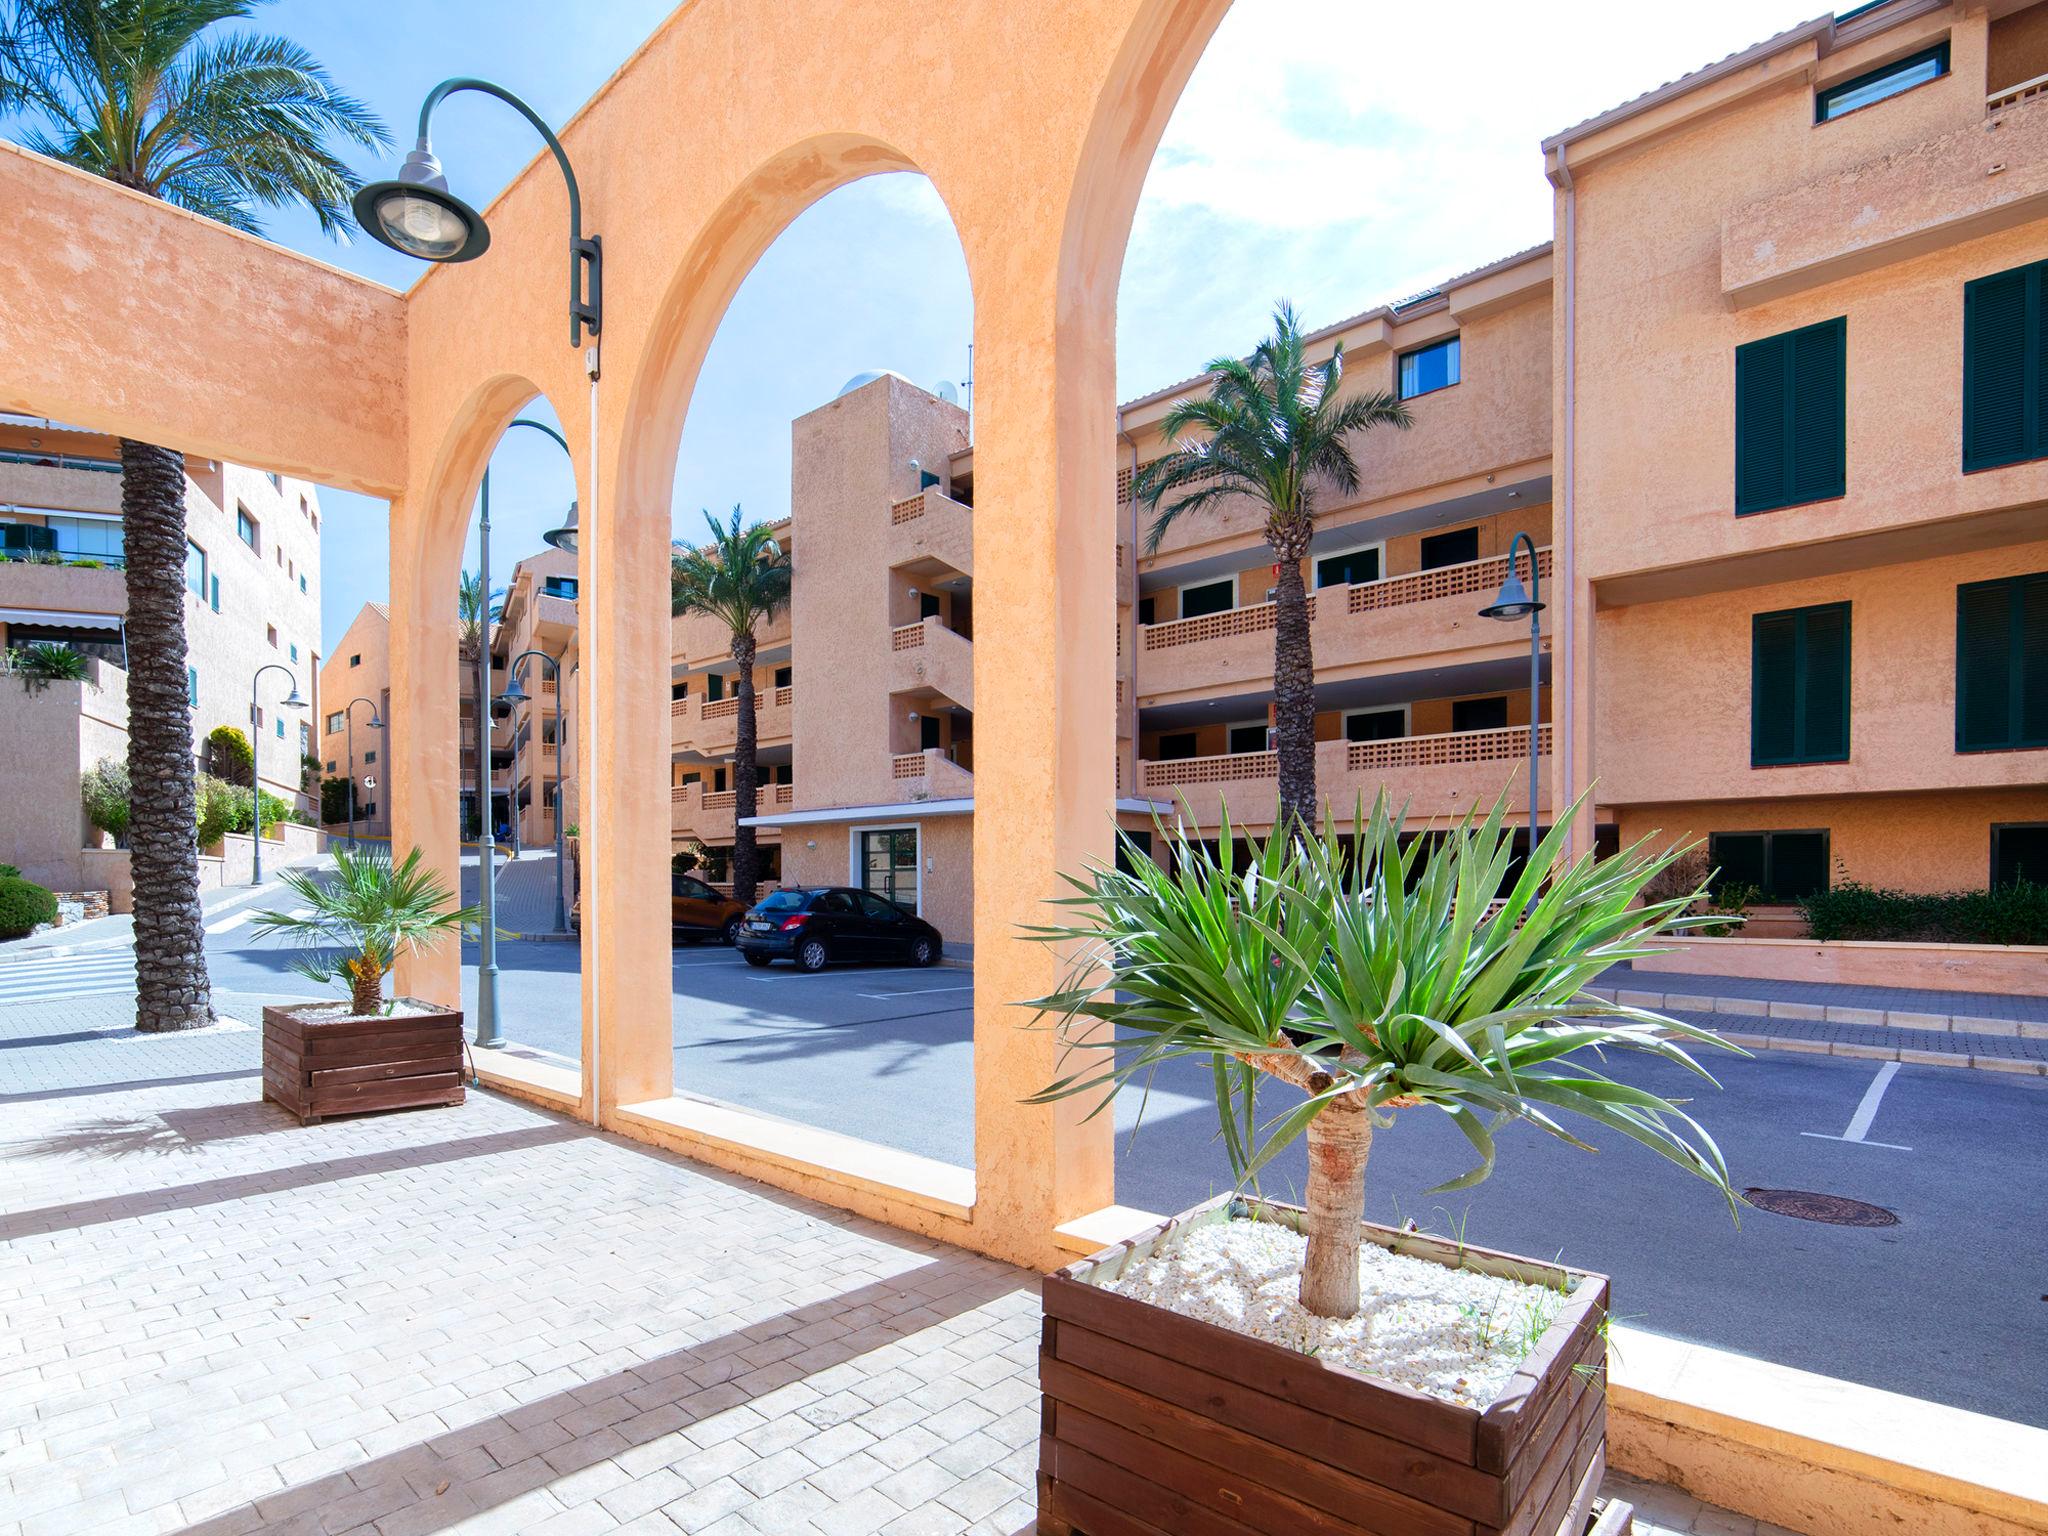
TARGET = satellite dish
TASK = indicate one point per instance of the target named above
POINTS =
(949, 392)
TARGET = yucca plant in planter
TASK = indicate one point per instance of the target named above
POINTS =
(1259, 1362)
(366, 1053)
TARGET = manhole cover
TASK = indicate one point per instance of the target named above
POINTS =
(1835, 1210)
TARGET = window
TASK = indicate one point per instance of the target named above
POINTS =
(1799, 686)
(1460, 546)
(2002, 664)
(875, 909)
(679, 690)
(714, 685)
(1133, 842)
(245, 527)
(1175, 745)
(335, 722)
(215, 582)
(192, 686)
(927, 606)
(1884, 81)
(784, 676)
(1784, 866)
(330, 765)
(2005, 332)
(1147, 607)
(370, 756)
(355, 661)
(276, 481)
(1349, 568)
(195, 570)
(1430, 368)
(1250, 737)
(928, 733)
(2019, 852)
(888, 864)
(302, 581)
(1208, 597)
(559, 586)
(295, 651)
(1376, 724)
(1489, 714)
(280, 730)
(1791, 427)
(270, 634)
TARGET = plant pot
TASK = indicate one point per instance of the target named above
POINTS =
(1156, 1424)
(341, 1065)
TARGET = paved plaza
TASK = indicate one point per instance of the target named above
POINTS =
(479, 1319)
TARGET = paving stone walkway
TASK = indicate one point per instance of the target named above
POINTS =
(481, 1319)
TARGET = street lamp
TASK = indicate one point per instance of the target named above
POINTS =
(289, 701)
(515, 695)
(376, 724)
(1515, 602)
(418, 215)
(564, 537)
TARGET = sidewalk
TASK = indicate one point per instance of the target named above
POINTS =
(119, 928)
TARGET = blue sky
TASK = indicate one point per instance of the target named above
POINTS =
(1337, 152)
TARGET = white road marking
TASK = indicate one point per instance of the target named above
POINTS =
(1866, 1113)
(882, 997)
(234, 921)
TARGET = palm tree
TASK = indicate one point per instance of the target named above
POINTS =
(1372, 973)
(221, 123)
(741, 578)
(360, 919)
(473, 607)
(1272, 429)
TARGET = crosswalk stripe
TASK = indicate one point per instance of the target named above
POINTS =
(32, 981)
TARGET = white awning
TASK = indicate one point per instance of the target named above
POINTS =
(60, 620)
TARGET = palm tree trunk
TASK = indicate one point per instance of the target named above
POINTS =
(1294, 693)
(171, 986)
(366, 990)
(1339, 1144)
(746, 854)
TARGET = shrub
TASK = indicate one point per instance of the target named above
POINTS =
(104, 789)
(24, 906)
(216, 804)
(9, 872)
(334, 795)
(2008, 914)
(274, 810)
(230, 756)
(45, 662)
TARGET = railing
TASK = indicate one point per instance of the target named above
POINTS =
(75, 558)
(1227, 768)
(907, 510)
(1493, 746)
(59, 461)
(678, 706)
(1248, 620)
(907, 765)
(718, 709)
(784, 694)
(2013, 95)
(1445, 581)
(907, 637)
(720, 800)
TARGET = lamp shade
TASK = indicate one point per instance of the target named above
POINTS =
(418, 215)
(1513, 602)
(563, 537)
(292, 699)
(512, 693)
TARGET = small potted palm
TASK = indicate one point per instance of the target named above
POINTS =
(1251, 1365)
(368, 1053)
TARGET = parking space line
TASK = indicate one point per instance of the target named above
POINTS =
(1866, 1114)
(883, 997)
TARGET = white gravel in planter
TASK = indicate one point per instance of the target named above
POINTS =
(1452, 1333)
(344, 1012)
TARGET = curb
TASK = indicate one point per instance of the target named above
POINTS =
(2016, 1066)
(1817, 1013)
(64, 951)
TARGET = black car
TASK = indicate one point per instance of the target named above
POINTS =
(818, 925)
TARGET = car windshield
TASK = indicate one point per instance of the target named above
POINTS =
(783, 901)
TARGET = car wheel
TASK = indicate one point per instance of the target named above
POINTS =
(758, 961)
(731, 933)
(811, 955)
(924, 952)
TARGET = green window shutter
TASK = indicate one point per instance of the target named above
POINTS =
(1791, 423)
(2002, 664)
(2005, 342)
(1799, 686)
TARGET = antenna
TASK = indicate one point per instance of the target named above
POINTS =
(969, 382)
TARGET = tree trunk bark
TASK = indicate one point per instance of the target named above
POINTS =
(1294, 694)
(746, 853)
(366, 990)
(171, 987)
(1339, 1143)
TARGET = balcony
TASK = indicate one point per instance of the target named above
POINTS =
(708, 814)
(1375, 626)
(929, 775)
(1441, 777)
(60, 589)
(931, 529)
(927, 655)
(711, 726)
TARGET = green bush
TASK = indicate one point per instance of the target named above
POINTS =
(9, 872)
(274, 811)
(231, 756)
(217, 804)
(24, 905)
(2009, 914)
(104, 789)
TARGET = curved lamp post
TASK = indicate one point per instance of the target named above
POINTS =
(289, 701)
(418, 215)
(376, 724)
(515, 695)
(1515, 602)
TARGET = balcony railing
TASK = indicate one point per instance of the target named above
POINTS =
(907, 637)
(59, 460)
(906, 510)
(2013, 95)
(1503, 744)
(718, 709)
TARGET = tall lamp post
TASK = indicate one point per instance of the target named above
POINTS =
(376, 724)
(289, 701)
(514, 695)
(1516, 602)
(418, 215)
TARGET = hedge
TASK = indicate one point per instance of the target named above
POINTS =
(24, 906)
(2009, 914)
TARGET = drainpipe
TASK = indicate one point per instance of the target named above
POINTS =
(1564, 663)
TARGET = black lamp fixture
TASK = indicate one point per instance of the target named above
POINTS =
(1516, 601)
(564, 537)
(512, 693)
(417, 214)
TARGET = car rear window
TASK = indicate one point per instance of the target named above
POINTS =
(783, 901)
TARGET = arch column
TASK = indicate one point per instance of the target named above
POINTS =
(424, 732)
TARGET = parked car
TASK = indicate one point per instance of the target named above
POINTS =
(699, 911)
(815, 926)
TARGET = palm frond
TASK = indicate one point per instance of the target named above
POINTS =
(741, 577)
(366, 912)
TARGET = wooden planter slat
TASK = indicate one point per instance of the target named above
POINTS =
(1232, 1452)
(1153, 1421)
(314, 1067)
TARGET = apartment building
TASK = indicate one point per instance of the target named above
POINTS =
(1801, 383)
(533, 744)
(1770, 408)
(355, 719)
(252, 580)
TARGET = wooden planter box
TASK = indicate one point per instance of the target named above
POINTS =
(1161, 1425)
(351, 1066)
